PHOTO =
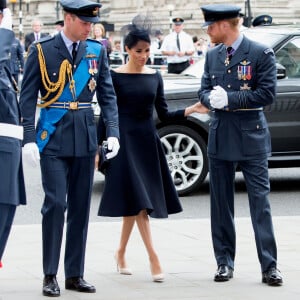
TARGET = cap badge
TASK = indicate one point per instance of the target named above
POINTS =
(95, 11)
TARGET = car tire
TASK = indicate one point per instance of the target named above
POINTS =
(186, 154)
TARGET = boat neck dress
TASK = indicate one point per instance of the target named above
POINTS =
(138, 178)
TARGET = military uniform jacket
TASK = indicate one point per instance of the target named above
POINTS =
(12, 189)
(240, 131)
(75, 133)
(16, 57)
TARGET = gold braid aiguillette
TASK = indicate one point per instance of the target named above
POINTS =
(58, 86)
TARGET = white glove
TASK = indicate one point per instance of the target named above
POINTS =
(218, 98)
(113, 146)
(31, 154)
(7, 19)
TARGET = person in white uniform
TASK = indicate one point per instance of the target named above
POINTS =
(178, 46)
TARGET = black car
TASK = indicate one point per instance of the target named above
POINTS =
(185, 143)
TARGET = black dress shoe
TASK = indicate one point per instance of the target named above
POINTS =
(272, 277)
(224, 273)
(50, 286)
(79, 284)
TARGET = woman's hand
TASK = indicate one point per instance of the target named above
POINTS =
(196, 108)
(97, 157)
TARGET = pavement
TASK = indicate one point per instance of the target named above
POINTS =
(185, 250)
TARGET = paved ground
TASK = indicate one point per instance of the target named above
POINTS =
(185, 250)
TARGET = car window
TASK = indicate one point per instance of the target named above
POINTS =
(261, 36)
(289, 57)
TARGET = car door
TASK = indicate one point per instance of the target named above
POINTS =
(284, 114)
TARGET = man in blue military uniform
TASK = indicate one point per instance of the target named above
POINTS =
(67, 69)
(239, 80)
(16, 59)
(12, 188)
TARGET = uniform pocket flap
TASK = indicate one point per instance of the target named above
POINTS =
(253, 125)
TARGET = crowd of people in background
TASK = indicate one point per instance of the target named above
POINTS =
(99, 34)
(159, 58)
(114, 45)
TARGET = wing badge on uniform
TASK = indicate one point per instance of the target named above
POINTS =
(90, 55)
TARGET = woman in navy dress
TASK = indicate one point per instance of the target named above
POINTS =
(138, 183)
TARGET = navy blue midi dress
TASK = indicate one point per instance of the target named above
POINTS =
(138, 178)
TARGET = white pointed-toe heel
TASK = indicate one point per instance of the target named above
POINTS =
(158, 277)
(122, 271)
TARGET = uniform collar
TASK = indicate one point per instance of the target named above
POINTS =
(67, 41)
(237, 42)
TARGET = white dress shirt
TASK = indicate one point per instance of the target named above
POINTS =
(170, 44)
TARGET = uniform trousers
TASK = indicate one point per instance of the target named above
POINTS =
(177, 68)
(67, 183)
(7, 214)
(222, 175)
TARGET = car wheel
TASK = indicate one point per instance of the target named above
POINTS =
(186, 156)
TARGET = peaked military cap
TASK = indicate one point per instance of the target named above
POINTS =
(59, 22)
(2, 5)
(262, 20)
(217, 12)
(85, 10)
(177, 21)
(158, 32)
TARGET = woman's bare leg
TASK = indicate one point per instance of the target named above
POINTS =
(127, 226)
(143, 224)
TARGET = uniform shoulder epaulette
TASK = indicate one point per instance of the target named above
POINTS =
(95, 41)
(46, 39)
(269, 50)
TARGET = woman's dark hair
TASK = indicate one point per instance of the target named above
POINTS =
(138, 30)
(136, 35)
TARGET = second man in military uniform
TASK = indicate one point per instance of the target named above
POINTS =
(239, 80)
